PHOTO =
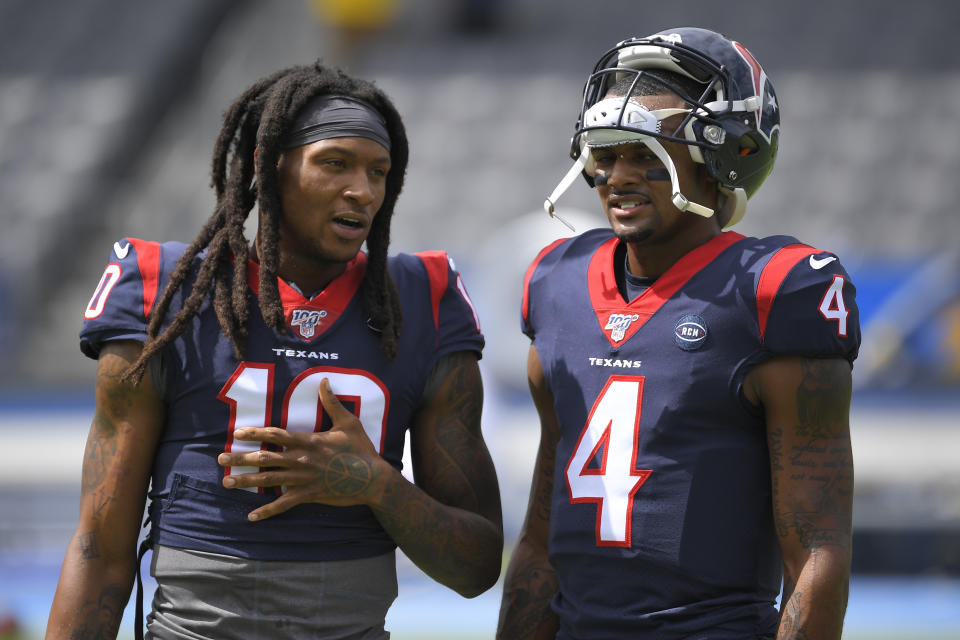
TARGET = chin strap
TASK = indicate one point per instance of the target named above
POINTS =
(680, 201)
(572, 174)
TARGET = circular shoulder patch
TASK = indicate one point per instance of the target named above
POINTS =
(690, 332)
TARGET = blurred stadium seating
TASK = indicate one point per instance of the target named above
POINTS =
(109, 109)
(108, 112)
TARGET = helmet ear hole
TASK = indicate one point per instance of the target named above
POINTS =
(747, 147)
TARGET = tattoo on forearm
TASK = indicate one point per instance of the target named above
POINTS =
(543, 504)
(526, 601)
(829, 477)
(789, 584)
(100, 619)
(88, 546)
(100, 502)
(775, 442)
(790, 619)
(452, 463)
(451, 548)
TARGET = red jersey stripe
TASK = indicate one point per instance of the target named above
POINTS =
(148, 262)
(525, 307)
(437, 266)
(772, 277)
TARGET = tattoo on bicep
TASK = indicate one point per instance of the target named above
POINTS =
(823, 400)
(114, 402)
(100, 451)
(461, 467)
(457, 379)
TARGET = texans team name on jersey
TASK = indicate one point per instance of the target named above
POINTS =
(615, 362)
(301, 353)
(208, 393)
(661, 520)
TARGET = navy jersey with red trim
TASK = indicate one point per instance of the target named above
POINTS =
(661, 516)
(209, 393)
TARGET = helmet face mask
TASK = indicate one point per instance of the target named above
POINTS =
(731, 119)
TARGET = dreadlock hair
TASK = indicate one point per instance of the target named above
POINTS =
(258, 120)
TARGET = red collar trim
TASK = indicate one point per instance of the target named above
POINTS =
(620, 320)
(308, 318)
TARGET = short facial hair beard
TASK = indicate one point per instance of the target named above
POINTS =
(635, 236)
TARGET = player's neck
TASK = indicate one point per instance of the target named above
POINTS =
(309, 275)
(651, 259)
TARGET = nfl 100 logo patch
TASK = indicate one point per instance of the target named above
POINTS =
(305, 321)
(690, 332)
(618, 323)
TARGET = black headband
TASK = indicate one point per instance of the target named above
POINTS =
(329, 116)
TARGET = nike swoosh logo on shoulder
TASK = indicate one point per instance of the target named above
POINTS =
(820, 263)
(121, 251)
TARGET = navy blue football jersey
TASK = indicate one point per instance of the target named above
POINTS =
(209, 393)
(661, 519)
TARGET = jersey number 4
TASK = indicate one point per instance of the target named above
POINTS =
(250, 391)
(832, 306)
(603, 469)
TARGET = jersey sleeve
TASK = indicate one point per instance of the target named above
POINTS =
(528, 301)
(454, 316)
(806, 305)
(121, 302)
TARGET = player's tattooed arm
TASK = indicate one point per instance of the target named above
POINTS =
(99, 566)
(531, 581)
(807, 405)
(450, 523)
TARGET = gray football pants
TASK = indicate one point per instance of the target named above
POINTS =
(208, 596)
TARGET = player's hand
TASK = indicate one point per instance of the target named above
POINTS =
(338, 467)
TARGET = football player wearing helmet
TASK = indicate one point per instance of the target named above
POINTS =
(692, 384)
(260, 394)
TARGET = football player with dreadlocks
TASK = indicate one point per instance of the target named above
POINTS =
(693, 384)
(260, 394)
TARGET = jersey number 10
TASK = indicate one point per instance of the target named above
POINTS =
(250, 392)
